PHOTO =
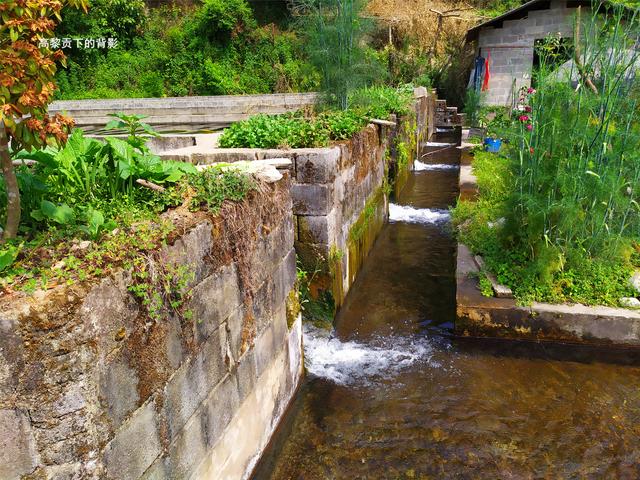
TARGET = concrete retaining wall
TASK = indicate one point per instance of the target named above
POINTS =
(187, 113)
(480, 316)
(340, 193)
(92, 387)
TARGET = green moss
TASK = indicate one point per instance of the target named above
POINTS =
(360, 227)
(364, 231)
(316, 300)
(293, 306)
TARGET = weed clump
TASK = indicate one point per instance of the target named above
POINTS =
(296, 130)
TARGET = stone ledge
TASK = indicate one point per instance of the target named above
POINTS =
(479, 316)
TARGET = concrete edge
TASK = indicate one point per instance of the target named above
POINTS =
(479, 316)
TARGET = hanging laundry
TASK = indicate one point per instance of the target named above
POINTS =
(487, 73)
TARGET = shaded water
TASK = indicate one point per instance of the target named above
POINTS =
(390, 394)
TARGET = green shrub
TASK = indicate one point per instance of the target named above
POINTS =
(342, 125)
(296, 131)
(121, 19)
(220, 20)
(171, 58)
(275, 131)
(380, 102)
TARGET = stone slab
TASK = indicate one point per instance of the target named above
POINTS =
(135, 446)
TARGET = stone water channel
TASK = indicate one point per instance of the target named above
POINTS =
(392, 394)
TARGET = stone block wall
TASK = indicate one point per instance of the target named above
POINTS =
(511, 48)
(411, 132)
(340, 204)
(340, 193)
(92, 387)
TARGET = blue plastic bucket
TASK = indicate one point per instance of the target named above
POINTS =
(492, 144)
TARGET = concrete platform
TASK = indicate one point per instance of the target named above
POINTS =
(480, 316)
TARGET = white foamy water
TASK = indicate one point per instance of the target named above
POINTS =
(439, 144)
(352, 362)
(421, 166)
(405, 213)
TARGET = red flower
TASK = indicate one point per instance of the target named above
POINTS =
(527, 108)
(529, 127)
(531, 90)
(523, 118)
(531, 150)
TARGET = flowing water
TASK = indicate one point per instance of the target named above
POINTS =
(391, 394)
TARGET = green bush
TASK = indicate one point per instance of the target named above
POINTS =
(172, 57)
(220, 20)
(121, 19)
(275, 131)
(380, 101)
(296, 131)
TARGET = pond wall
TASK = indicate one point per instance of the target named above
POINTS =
(340, 193)
(182, 113)
(91, 386)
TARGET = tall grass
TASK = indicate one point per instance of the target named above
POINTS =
(335, 40)
(576, 163)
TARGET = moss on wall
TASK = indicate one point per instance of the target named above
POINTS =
(365, 230)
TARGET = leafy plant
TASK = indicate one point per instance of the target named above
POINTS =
(213, 186)
(96, 224)
(381, 101)
(342, 125)
(8, 254)
(293, 130)
(26, 88)
(133, 126)
(61, 214)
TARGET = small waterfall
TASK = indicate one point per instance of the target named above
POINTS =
(421, 166)
(405, 213)
(352, 362)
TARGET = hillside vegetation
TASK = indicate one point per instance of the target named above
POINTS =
(219, 47)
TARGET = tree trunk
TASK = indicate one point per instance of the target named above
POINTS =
(11, 186)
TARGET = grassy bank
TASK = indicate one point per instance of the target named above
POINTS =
(93, 206)
(558, 217)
